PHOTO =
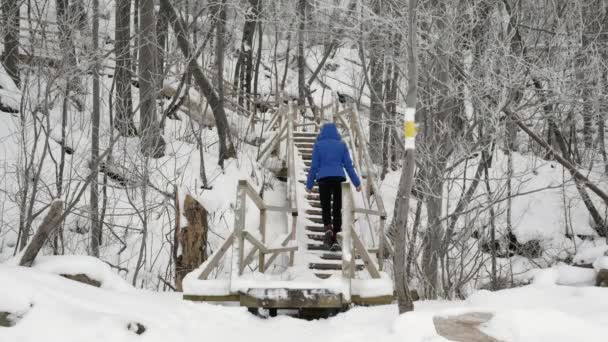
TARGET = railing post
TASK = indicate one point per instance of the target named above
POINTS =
(381, 244)
(347, 251)
(261, 265)
(291, 180)
(239, 227)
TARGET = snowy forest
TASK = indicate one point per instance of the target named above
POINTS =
(154, 157)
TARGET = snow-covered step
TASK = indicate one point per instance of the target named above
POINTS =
(316, 236)
(315, 204)
(334, 256)
(305, 134)
(317, 247)
(314, 212)
(315, 219)
(304, 140)
(315, 228)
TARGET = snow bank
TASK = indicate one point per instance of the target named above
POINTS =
(58, 309)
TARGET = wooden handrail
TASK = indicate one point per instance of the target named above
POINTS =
(351, 243)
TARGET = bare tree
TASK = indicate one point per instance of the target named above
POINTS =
(123, 73)
(94, 195)
(152, 143)
(402, 203)
(10, 55)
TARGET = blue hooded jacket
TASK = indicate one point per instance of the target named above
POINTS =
(330, 157)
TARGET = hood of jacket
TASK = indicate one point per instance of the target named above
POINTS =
(329, 131)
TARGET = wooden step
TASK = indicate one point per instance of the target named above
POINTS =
(317, 247)
(305, 134)
(315, 204)
(316, 237)
(313, 197)
(316, 229)
(316, 212)
(309, 141)
(334, 256)
(305, 145)
(316, 219)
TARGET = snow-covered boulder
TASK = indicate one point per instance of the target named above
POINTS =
(82, 268)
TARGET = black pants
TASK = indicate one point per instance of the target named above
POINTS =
(330, 191)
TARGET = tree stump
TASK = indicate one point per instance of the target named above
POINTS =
(464, 328)
(193, 240)
(602, 278)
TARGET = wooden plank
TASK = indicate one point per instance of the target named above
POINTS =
(381, 238)
(239, 227)
(224, 298)
(257, 243)
(261, 256)
(276, 254)
(253, 195)
(264, 249)
(367, 211)
(215, 258)
(281, 249)
(367, 260)
(279, 209)
(370, 301)
(291, 298)
(274, 141)
(251, 255)
(347, 221)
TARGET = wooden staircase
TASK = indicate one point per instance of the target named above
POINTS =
(337, 279)
(328, 263)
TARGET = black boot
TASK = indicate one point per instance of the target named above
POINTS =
(335, 247)
(328, 238)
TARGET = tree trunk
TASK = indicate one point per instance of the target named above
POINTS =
(246, 54)
(152, 143)
(95, 226)
(212, 97)
(301, 61)
(123, 73)
(402, 203)
(10, 55)
(376, 66)
(51, 221)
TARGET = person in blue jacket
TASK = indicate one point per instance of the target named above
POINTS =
(330, 157)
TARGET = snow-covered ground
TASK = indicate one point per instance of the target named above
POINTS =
(51, 308)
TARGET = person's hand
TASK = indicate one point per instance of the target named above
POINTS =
(359, 188)
(308, 190)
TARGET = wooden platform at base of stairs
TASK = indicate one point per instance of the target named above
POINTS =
(292, 299)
